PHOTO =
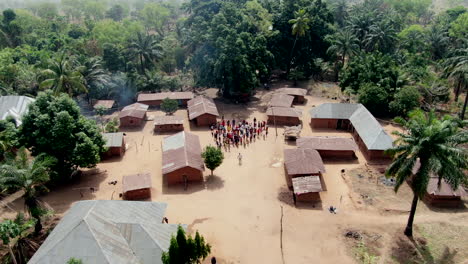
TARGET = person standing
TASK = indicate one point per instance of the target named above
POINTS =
(239, 157)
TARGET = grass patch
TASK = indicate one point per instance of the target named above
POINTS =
(363, 254)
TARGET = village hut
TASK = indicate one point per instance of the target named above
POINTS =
(109, 232)
(307, 189)
(137, 186)
(355, 118)
(203, 110)
(15, 107)
(298, 93)
(281, 100)
(442, 195)
(181, 158)
(133, 115)
(115, 144)
(284, 116)
(155, 99)
(330, 147)
(168, 123)
(105, 104)
(302, 162)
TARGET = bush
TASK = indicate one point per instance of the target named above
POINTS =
(213, 157)
(374, 98)
(169, 106)
(186, 250)
(405, 100)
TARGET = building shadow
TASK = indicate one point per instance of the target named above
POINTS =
(133, 129)
(316, 205)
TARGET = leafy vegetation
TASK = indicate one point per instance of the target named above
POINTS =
(213, 157)
(169, 106)
(185, 249)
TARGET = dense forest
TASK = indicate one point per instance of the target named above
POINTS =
(390, 55)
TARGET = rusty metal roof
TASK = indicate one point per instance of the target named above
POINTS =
(307, 184)
(303, 161)
(284, 111)
(136, 110)
(107, 104)
(161, 96)
(181, 150)
(292, 91)
(136, 182)
(327, 143)
(281, 100)
(109, 232)
(201, 105)
(433, 187)
(168, 120)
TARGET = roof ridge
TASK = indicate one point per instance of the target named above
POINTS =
(97, 240)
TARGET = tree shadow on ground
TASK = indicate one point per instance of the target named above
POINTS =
(416, 250)
(214, 182)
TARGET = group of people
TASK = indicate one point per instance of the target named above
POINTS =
(238, 133)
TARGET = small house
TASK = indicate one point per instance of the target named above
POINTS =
(133, 115)
(181, 159)
(137, 186)
(168, 123)
(330, 147)
(203, 110)
(281, 100)
(307, 189)
(298, 93)
(302, 162)
(284, 116)
(115, 144)
(155, 99)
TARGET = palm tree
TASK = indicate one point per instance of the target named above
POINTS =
(94, 75)
(436, 145)
(30, 177)
(381, 36)
(456, 69)
(344, 44)
(146, 49)
(300, 24)
(62, 78)
(14, 236)
(438, 41)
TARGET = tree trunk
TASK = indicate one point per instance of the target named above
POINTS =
(462, 114)
(37, 226)
(211, 172)
(409, 226)
(13, 258)
(141, 65)
(457, 91)
(291, 57)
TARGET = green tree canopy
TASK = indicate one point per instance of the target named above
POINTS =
(437, 145)
(186, 250)
(55, 126)
(213, 157)
(406, 99)
(169, 106)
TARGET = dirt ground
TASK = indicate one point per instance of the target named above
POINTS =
(246, 213)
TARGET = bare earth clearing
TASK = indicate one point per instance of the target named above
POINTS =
(240, 208)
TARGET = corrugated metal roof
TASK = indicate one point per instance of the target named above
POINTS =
(107, 104)
(365, 124)
(307, 184)
(327, 143)
(113, 139)
(281, 100)
(136, 182)
(168, 120)
(136, 110)
(181, 150)
(114, 232)
(14, 106)
(284, 111)
(303, 161)
(161, 96)
(293, 91)
(201, 105)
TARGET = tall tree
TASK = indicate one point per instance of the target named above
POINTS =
(300, 24)
(186, 250)
(30, 177)
(428, 147)
(62, 78)
(93, 73)
(146, 49)
(213, 157)
(54, 126)
(456, 69)
(344, 44)
(438, 41)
